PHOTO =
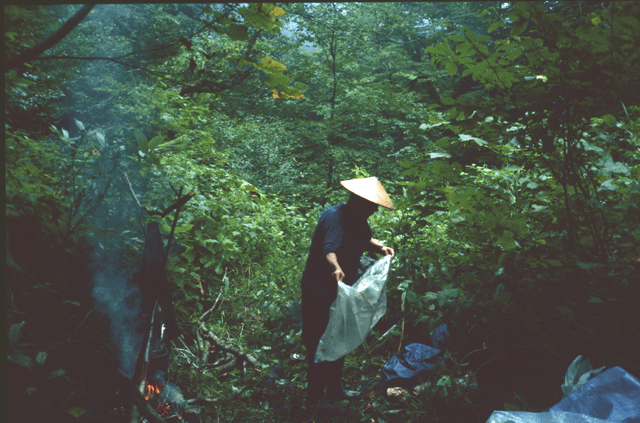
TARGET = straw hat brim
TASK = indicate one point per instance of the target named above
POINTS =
(370, 189)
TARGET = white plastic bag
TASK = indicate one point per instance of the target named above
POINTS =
(355, 312)
(578, 373)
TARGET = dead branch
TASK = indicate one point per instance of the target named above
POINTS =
(222, 365)
(186, 349)
(208, 86)
(199, 345)
(131, 191)
(181, 202)
(208, 401)
(173, 225)
(213, 308)
(226, 366)
(135, 199)
(228, 347)
(34, 52)
(162, 47)
(204, 401)
(110, 59)
(205, 353)
(143, 362)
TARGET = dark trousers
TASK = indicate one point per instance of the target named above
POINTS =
(319, 375)
(317, 297)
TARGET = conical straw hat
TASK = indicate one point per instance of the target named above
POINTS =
(370, 189)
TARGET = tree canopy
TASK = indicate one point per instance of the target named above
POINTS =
(506, 134)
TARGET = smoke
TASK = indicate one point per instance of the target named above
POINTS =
(118, 300)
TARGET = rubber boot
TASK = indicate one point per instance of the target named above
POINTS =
(335, 391)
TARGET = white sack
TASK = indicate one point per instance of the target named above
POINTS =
(355, 312)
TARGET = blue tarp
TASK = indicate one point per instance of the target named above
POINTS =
(613, 396)
(412, 365)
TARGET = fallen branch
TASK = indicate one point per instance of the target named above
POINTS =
(228, 358)
(223, 365)
(204, 401)
(199, 345)
(185, 349)
(205, 353)
(213, 308)
(208, 401)
(377, 343)
(228, 347)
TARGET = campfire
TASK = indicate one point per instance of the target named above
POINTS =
(156, 399)
(152, 396)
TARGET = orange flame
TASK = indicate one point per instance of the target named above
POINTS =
(152, 388)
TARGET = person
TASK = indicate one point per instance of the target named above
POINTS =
(338, 241)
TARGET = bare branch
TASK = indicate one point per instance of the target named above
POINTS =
(111, 59)
(135, 198)
(215, 305)
(177, 206)
(181, 202)
(227, 347)
(208, 401)
(32, 53)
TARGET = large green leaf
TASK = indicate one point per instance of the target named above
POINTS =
(470, 34)
(457, 38)
(447, 101)
(155, 142)
(451, 68)
(142, 141)
(495, 26)
(519, 27)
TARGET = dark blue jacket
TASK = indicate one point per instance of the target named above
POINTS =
(342, 233)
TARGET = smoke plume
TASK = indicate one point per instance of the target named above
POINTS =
(119, 300)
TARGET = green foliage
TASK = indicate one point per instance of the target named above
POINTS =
(536, 206)
(30, 174)
(507, 136)
(517, 127)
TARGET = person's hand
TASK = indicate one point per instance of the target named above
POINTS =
(387, 251)
(338, 275)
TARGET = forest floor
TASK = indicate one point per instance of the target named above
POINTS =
(513, 371)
